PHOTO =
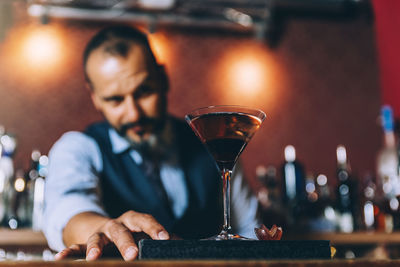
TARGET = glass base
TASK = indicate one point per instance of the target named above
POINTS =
(227, 236)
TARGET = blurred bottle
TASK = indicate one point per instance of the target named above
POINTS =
(20, 208)
(311, 206)
(268, 194)
(293, 177)
(326, 221)
(388, 168)
(323, 190)
(36, 183)
(311, 188)
(8, 145)
(387, 159)
(15, 202)
(373, 218)
(345, 192)
(4, 177)
(32, 174)
(270, 210)
(293, 185)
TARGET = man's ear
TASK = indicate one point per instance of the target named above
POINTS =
(95, 101)
(163, 77)
(94, 98)
(89, 87)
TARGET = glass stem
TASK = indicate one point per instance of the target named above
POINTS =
(226, 177)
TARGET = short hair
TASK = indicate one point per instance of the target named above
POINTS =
(117, 40)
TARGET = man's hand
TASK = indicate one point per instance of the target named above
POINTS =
(119, 232)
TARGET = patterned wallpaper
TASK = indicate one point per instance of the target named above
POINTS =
(319, 87)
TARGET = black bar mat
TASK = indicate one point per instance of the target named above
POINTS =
(233, 249)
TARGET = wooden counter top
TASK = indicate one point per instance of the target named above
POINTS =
(33, 238)
(356, 238)
(286, 263)
(21, 237)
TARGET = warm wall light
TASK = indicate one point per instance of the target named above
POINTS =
(246, 74)
(35, 54)
(42, 47)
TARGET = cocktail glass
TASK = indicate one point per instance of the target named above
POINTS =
(225, 131)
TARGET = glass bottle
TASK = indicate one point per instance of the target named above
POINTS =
(345, 192)
(293, 187)
(388, 169)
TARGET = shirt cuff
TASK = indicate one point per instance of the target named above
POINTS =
(57, 218)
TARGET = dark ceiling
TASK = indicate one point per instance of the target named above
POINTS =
(216, 13)
(263, 18)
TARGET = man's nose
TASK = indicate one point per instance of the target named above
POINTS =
(132, 110)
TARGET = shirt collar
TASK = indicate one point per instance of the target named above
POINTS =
(118, 143)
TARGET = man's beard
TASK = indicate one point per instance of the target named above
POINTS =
(152, 126)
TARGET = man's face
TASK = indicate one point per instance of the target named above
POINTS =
(128, 92)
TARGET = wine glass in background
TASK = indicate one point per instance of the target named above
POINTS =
(225, 131)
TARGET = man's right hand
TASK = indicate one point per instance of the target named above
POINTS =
(117, 231)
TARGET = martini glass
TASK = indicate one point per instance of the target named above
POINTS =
(225, 131)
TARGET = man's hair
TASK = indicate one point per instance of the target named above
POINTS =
(117, 40)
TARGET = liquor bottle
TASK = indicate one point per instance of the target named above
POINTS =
(293, 185)
(8, 145)
(15, 188)
(388, 160)
(270, 210)
(370, 210)
(268, 194)
(31, 175)
(311, 189)
(388, 169)
(311, 206)
(327, 217)
(38, 193)
(3, 178)
(293, 177)
(345, 192)
(36, 184)
(21, 205)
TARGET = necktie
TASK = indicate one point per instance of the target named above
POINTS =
(151, 169)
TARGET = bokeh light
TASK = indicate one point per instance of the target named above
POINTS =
(19, 184)
(35, 52)
(42, 47)
(246, 74)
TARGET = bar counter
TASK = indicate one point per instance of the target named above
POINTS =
(208, 263)
(368, 248)
(28, 237)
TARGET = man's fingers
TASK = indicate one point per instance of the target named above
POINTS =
(140, 222)
(74, 251)
(123, 239)
(120, 230)
(95, 245)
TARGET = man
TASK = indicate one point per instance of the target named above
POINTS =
(140, 171)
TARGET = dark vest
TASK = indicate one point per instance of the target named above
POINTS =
(124, 186)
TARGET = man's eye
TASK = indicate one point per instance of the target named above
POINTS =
(114, 99)
(145, 90)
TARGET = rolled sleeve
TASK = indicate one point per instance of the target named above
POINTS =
(72, 186)
(69, 206)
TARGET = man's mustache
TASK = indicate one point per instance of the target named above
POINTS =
(143, 122)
